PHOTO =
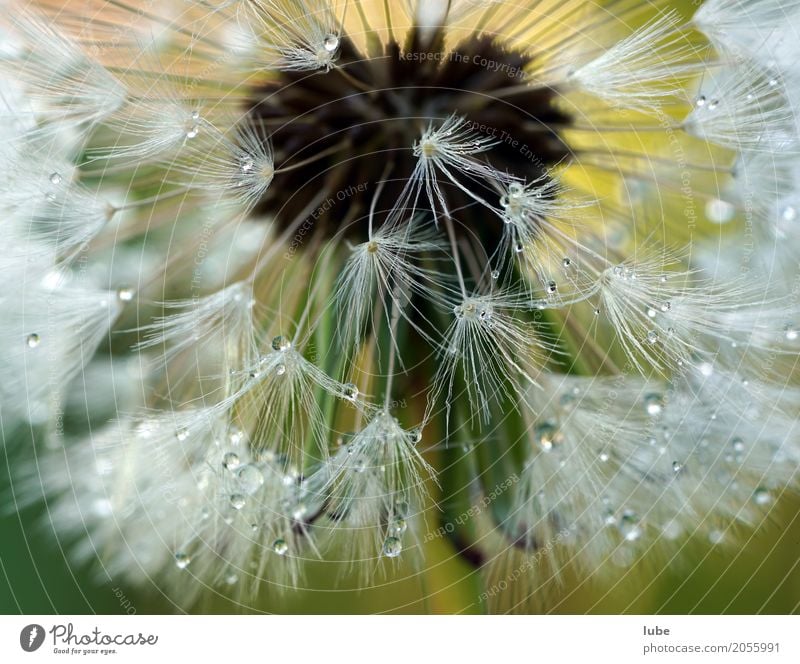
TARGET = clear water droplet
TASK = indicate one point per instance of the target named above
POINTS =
(280, 547)
(350, 392)
(652, 337)
(566, 262)
(677, 466)
(551, 287)
(416, 436)
(238, 501)
(182, 560)
(791, 333)
(250, 479)
(789, 213)
(33, 340)
(182, 434)
(331, 43)
(55, 178)
(392, 547)
(125, 294)
(629, 526)
(193, 131)
(231, 461)
(762, 496)
(653, 404)
(398, 527)
(280, 369)
(547, 436)
(231, 578)
(518, 248)
(281, 343)
(495, 274)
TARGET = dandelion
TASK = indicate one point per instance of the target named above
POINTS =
(557, 239)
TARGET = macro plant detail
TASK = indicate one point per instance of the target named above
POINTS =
(287, 281)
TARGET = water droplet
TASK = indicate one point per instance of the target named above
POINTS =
(789, 213)
(280, 369)
(193, 131)
(547, 436)
(392, 547)
(495, 274)
(281, 343)
(250, 479)
(619, 270)
(706, 369)
(331, 43)
(666, 307)
(738, 445)
(182, 434)
(629, 526)
(231, 578)
(677, 466)
(299, 511)
(551, 287)
(700, 101)
(247, 164)
(603, 457)
(125, 294)
(398, 527)
(55, 178)
(280, 547)
(350, 392)
(515, 190)
(230, 461)
(762, 496)
(33, 340)
(790, 332)
(518, 248)
(415, 436)
(566, 262)
(182, 560)
(235, 436)
(652, 337)
(651, 313)
(238, 501)
(653, 404)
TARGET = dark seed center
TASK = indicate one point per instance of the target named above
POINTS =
(337, 133)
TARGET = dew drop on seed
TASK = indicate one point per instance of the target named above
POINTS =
(654, 404)
(182, 560)
(281, 343)
(193, 131)
(652, 337)
(566, 262)
(280, 547)
(182, 434)
(738, 445)
(706, 369)
(125, 294)
(651, 313)
(547, 436)
(551, 287)
(495, 274)
(700, 101)
(392, 547)
(791, 333)
(677, 467)
(416, 436)
(280, 369)
(397, 527)
(350, 392)
(250, 479)
(629, 526)
(238, 501)
(789, 213)
(762, 496)
(603, 457)
(230, 461)
(299, 511)
(619, 270)
(33, 340)
(518, 248)
(55, 178)
(235, 436)
(231, 578)
(331, 43)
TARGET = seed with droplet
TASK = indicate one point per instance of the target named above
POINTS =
(629, 526)
(652, 337)
(33, 340)
(350, 392)
(392, 547)
(182, 434)
(182, 560)
(547, 436)
(398, 527)
(280, 547)
(281, 343)
(331, 43)
(230, 461)
(125, 294)
(653, 404)
(55, 178)
(790, 332)
(250, 479)
(762, 496)
(677, 466)
(238, 501)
